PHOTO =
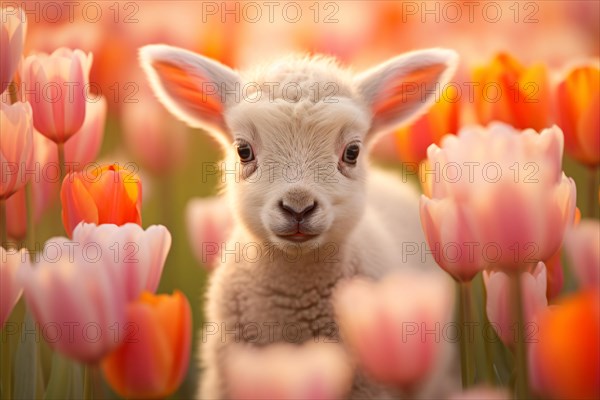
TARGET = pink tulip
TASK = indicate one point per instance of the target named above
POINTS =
(16, 147)
(499, 298)
(136, 253)
(208, 225)
(499, 196)
(83, 148)
(10, 287)
(152, 137)
(79, 289)
(395, 327)
(44, 181)
(583, 248)
(13, 28)
(286, 371)
(56, 86)
(482, 393)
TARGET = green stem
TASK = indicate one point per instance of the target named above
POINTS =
(88, 382)
(465, 319)
(29, 206)
(592, 192)
(61, 160)
(487, 345)
(522, 382)
(3, 230)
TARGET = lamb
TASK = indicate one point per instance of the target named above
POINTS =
(299, 186)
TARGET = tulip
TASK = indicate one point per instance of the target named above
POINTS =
(442, 118)
(384, 324)
(208, 224)
(136, 253)
(10, 287)
(499, 300)
(153, 361)
(583, 249)
(83, 148)
(107, 195)
(13, 28)
(16, 148)
(77, 297)
(506, 91)
(153, 138)
(44, 184)
(56, 88)
(318, 371)
(578, 102)
(482, 393)
(564, 358)
(500, 196)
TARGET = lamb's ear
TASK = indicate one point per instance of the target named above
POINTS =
(190, 86)
(403, 87)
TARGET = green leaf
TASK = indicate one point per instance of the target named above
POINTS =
(27, 367)
(66, 379)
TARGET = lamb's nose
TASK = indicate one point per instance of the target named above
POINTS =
(298, 215)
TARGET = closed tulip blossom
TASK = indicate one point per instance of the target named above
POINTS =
(16, 147)
(564, 358)
(56, 87)
(85, 284)
(583, 249)
(577, 105)
(104, 195)
(136, 253)
(286, 371)
(208, 227)
(152, 362)
(83, 148)
(10, 286)
(499, 301)
(383, 323)
(506, 91)
(13, 28)
(499, 199)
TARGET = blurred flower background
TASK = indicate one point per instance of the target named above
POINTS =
(541, 55)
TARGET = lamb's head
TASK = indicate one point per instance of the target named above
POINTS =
(296, 131)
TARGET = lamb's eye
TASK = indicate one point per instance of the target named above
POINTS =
(351, 153)
(245, 152)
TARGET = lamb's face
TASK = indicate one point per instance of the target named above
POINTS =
(300, 169)
(296, 159)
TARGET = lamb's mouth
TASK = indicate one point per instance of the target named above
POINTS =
(298, 237)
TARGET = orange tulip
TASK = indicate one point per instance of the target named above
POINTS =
(443, 118)
(564, 358)
(153, 362)
(105, 195)
(578, 102)
(507, 91)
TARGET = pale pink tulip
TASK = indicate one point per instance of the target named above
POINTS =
(10, 287)
(79, 289)
(44, 181)
(500, 298)
(498, 193)
(16, 147)
(286, 371)
(83, 148)
(13, 28)
(154, 139)
(57, 86)
(136, 253)
(208, 225)
(396, 327)
(482, 393)
(583, 249)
